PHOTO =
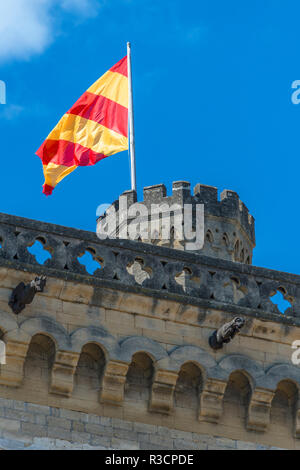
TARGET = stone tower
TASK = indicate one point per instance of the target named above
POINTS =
(229, 227)
(119, 357)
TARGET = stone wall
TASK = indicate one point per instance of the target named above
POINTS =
(27, 426)
(139, 360)
(134, 353)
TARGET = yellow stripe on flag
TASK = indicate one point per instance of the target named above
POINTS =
(112, 85)
(89, 134)
(55, 173)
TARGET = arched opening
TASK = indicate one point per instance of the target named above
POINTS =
(281, 300)
(225, 239)
(188, 386)
(283, 408)
(90, 261)
(139, 377)
(39, 251)
(209, 237)
(89, 371)
(38, 363)
(236, 250)
(172, 233)
(236, 398)
(138, 270)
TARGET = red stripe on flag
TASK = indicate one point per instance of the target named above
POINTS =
(47, 190)
(63, 152)
(102, 110)
(121, 67)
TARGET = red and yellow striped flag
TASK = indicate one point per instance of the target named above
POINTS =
(94, 128)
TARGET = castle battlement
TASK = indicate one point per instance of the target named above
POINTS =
(229, 227)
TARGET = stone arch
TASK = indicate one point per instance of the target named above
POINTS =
(188, 386)
(209, 238)
(236, 250)
(49, 327)
(7, 322)
(179, 356)
(89, 372)
(237, 397)
(238, 362)
(283, 407)
(134, 344)
(96, 335)
(38, 364)
(279, 372)
(172, 233)
(139, 377)
(225, 240)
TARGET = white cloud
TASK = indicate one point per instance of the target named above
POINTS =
(27, 27)
(87, 8)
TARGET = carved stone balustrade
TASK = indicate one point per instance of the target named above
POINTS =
(208, 282)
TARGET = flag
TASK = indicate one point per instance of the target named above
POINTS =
(94, 128)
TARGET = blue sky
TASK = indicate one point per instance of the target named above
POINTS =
(212, 95)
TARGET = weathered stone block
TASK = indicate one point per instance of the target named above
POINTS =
(34, 430)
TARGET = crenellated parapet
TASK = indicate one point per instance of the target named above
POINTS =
(229, 231)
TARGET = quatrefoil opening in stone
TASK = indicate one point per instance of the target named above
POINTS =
(138, 270)
(39, 251)
(90, 261)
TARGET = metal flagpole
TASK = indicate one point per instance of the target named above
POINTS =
(130, 117)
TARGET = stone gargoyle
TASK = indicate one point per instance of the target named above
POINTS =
(226, 333)
(24, 293)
